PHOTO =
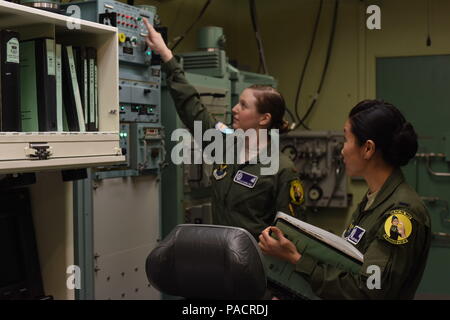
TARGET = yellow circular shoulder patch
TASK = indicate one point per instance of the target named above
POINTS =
(398, 227)
(296, 192)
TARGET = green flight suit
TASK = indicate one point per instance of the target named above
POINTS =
(233, 204)
(401, 262)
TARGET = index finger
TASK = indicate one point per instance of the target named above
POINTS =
(148, 25)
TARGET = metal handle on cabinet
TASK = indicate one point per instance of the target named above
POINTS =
(428, 156)
(434, 173)
(38, 151)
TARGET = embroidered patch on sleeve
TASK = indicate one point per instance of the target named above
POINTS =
(398, 227)
(296, 192)
(220, 172)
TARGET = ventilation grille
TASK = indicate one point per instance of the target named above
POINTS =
(203, 61)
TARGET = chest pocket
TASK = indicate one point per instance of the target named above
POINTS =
(258, 199)
(373, 230)
(373, 223)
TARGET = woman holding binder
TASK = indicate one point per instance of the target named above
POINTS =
(241, 195)
(391, 226)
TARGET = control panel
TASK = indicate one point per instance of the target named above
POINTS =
(317, 157)
(139, 101)
(124, 139)
(148, 145)
(141, 131)
(129, 22)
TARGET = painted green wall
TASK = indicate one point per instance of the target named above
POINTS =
(286, 29)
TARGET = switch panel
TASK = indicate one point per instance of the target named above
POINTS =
(128, 19)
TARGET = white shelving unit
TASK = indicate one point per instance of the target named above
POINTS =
(68, 149)
(51, 198)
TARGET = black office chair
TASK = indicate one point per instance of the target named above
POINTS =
(208, 262)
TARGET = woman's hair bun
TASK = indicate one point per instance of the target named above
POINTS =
(404, 145)
(383, 123)
(284, 127)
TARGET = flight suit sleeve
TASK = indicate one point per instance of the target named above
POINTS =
(186, 98)
(393, 260)
(290, 195)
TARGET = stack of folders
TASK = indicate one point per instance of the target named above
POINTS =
(58, 87)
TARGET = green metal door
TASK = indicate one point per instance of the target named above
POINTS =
(420, 88)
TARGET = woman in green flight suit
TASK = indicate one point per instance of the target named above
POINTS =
(378, 141)
(241, 195)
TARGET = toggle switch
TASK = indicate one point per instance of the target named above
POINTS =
(134, 41)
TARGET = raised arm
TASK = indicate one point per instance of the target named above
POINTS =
(186, 98)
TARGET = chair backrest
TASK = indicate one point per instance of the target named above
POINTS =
(198, 261)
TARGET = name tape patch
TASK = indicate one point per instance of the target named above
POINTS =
(246, 179)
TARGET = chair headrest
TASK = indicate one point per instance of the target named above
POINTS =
(208, 262)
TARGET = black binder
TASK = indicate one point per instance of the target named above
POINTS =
(81, 65)
(10, 118)
(59, 89)
(93, 89)
(38, 90)
(71, 93)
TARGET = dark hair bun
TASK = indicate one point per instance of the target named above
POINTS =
(404, 146)
(384, 124)
(284, 127)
